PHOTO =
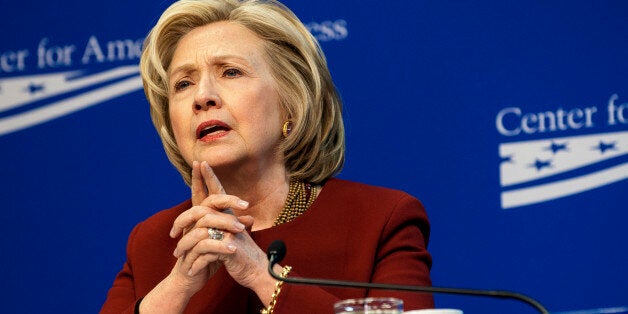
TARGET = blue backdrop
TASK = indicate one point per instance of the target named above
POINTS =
(508, 119)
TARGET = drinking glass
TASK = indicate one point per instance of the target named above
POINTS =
(369, 306)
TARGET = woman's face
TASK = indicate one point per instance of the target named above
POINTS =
(223, 101)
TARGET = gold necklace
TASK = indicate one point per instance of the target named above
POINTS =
(300, 196)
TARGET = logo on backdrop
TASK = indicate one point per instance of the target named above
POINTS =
(536, 171)
(28, 100)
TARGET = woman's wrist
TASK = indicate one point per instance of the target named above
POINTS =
(171, 295)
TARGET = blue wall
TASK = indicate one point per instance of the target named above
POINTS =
(423, 83)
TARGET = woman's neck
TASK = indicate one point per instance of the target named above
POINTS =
(266, 191)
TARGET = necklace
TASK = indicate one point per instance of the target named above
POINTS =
(300, 196)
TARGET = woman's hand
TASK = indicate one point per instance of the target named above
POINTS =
(199, 257)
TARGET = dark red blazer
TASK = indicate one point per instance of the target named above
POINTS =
(351, 232)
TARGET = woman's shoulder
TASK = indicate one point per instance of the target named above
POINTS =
(349, 197)
(358, 190)
(369, 205)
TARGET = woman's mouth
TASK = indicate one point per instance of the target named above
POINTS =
(211, 130)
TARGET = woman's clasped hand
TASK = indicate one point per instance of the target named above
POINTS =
(199, 256)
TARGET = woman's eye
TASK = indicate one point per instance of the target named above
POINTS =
(231, 72)
(181, 85)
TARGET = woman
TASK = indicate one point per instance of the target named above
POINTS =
(245, 106)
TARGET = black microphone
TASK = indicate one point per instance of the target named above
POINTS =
(277, 251)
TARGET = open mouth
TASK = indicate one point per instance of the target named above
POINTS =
(211, 128)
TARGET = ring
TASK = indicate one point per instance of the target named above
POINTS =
(215, 234)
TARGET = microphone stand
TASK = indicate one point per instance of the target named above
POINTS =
(337, 283)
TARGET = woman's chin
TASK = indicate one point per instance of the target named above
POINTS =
(217, 161)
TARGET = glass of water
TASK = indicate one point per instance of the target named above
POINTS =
(369, 306)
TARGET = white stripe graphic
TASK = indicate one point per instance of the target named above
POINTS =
(550, 191)
(580, 151)
(66, 106)
(15, 93)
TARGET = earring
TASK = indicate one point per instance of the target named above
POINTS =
(286, 129)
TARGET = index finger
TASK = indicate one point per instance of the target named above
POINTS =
(199, 192)
(211, 180)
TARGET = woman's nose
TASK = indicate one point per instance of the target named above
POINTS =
(201, 105)
(206, 98)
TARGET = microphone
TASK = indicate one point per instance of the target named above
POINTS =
(277, 251)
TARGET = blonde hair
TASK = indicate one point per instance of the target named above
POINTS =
(315, 149)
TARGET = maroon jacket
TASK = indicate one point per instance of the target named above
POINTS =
(351, 232)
